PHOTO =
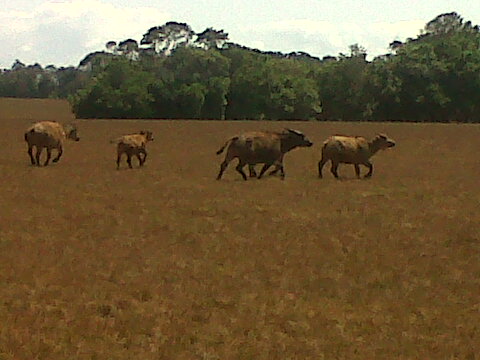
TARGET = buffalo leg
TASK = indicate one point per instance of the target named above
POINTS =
(59, 155)
(142, 160)
(119, 157)
(334, 169)
(274, 171)
(239, 168)
(264, 169)
(251, 170)
(370, 169)
(37, 155)
(357, 170)
(321, 163)
(30, 152)
(223, 166)
(49, 155)
(282, 171)
(278, 167)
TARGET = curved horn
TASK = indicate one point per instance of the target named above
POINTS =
(70, 126)
(296, 132)
(382, 135)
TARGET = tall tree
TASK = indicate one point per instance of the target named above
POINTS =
(446, 23)
(129, 48)
(163, 39)
(211, 38)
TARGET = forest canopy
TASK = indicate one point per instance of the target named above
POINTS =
(175, 73)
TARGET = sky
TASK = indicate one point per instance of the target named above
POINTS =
(63, 32)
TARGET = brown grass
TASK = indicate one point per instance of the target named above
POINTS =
(165, 262)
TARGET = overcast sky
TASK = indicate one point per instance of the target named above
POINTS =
(62, 32)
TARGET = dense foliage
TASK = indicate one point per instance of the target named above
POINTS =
(434, 77)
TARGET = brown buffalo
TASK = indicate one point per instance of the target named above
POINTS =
(49, 135)
(262, 147)
(133, 144)
(354, 150)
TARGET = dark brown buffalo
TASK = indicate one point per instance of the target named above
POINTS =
(261, 147)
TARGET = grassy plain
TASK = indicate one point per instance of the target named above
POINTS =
(165, 262)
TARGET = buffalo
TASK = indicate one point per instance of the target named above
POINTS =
(261, 147)
(354, 150)
(49, 135)
(133, 144)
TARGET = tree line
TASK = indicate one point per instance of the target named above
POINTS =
(434, 77)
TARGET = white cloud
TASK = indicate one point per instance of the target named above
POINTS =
(258, 44)
(14, 21)
(322, 38)
(62, 33)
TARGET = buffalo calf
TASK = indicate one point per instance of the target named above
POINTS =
(133, 144)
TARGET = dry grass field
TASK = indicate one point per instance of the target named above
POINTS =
(165, 262)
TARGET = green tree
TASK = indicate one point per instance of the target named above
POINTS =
(431, 78)
(202, 74)
(248, 91)
(267, 87)
(120, 91)
(341, 85)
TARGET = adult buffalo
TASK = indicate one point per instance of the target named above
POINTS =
(261, 147)
(354, 150)
(48, 135)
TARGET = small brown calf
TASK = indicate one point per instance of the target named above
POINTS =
(133, 145)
